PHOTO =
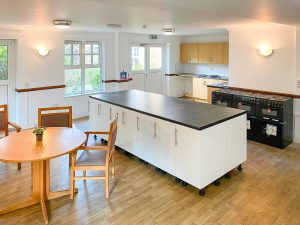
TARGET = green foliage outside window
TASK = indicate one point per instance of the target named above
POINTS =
(3, 63)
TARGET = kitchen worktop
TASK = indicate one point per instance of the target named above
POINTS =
(221, 85)
(198, 116)
(194, 75)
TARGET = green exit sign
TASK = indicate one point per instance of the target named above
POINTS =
(152, 36)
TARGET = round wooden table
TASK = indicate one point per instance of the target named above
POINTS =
(22, 147)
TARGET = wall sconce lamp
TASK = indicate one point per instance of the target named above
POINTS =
(265, 50)
(43, 51)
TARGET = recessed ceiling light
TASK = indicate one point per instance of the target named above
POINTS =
(168, 31)
(62, 24)
(113, 25)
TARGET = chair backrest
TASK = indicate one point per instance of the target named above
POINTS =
(113, 134)
(62, 117)
(4, 119)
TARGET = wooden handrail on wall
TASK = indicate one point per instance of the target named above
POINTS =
(117, 81)
(39, 88)
(265, 92)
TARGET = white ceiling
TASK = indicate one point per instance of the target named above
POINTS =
(186, 16)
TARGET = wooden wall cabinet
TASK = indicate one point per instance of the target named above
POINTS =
(189, 53)
(207, 53)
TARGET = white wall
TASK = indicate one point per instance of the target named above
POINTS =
(36, 71)
(248, 69)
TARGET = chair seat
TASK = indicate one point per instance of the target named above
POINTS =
(92, 158)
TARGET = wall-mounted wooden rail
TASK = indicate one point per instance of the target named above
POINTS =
(117, 81)
(266, 92)
(39, 88)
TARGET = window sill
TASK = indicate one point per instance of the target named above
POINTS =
(78, 95)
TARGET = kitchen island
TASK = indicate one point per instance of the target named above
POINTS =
(196, 142)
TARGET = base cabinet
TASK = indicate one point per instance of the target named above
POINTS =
(196, 157)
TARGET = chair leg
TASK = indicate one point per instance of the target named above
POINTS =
(113, 166)
(19, 166)
(107, 181)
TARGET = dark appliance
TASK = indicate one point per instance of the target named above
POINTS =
(222, 98)
(275, 121)
(247, 101)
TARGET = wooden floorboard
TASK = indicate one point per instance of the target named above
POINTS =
(266, 192)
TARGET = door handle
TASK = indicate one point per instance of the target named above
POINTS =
(123, 118)
(99, 109)
(176, 133)
(137, 123)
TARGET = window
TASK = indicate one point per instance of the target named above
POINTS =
(147, 58)
(3, 62)
(138, 58)
(155, 58)
(83, 69)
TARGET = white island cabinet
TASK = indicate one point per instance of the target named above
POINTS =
(197, 157)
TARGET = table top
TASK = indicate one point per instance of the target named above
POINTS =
(23, 147)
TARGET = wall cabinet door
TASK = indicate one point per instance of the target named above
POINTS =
(189, 53)
(226, 53)
(216, 53)
(204, 52)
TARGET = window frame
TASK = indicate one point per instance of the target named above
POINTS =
(82, 66)
(147, 58)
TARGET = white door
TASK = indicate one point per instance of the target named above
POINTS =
(147, 67)
(7, 76)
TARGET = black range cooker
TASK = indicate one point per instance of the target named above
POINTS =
(270, 118)
(275, 120)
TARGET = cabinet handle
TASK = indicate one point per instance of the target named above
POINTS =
(155, 130)
(110, 116)
(176, 133)
(99, 109)
(137, 123)
(123, 118)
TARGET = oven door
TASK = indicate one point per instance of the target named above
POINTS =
(273, 113)
(221, 102)
(250, 108)
(269, 132)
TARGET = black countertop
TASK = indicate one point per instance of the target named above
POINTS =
(198, 116)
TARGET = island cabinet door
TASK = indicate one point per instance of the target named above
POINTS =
(236, 142)
(105, 117)
(94, 114)
(187, 154)
(164, 142)
(146, 138)
(129, 120)
(115, 110)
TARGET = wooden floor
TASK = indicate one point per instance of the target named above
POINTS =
(266, 192)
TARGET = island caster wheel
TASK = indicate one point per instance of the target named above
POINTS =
(177, 180)
(201, 192)
(240, 168)
(227, 175)
(184, 184)
(157, 169)
(95, 137)
(217, 182)
(145, 163)
(140, 160)
(163, 172)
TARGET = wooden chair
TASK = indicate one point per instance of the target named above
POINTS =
(96, 156)
(4, 123)
(58, 117)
